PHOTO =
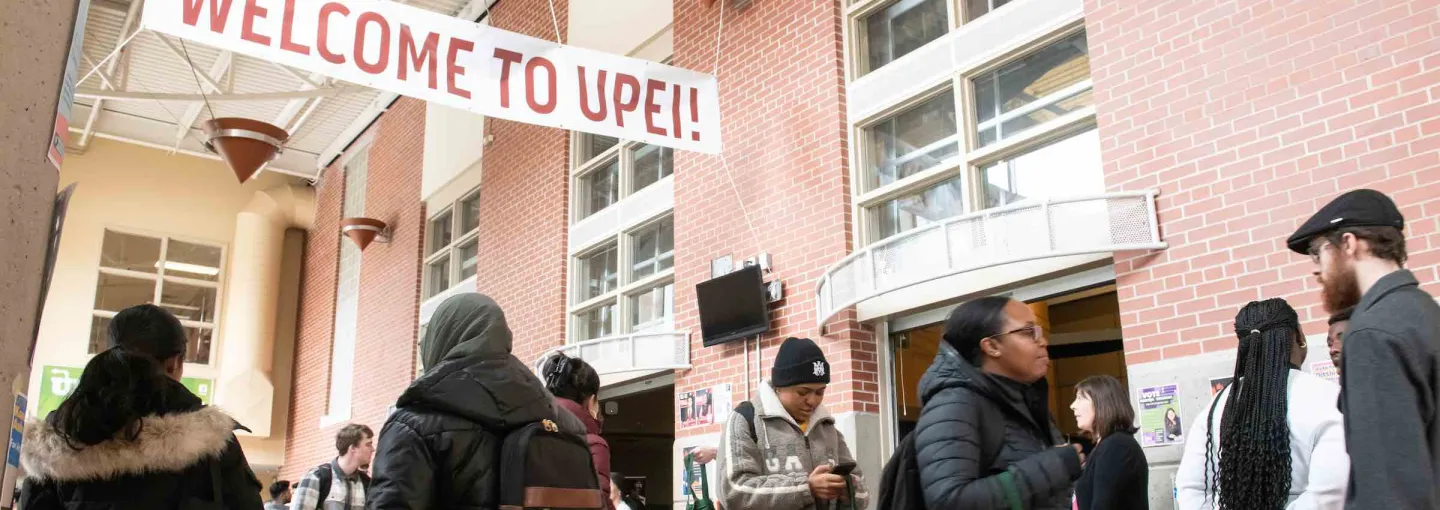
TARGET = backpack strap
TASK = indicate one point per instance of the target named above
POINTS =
(747, 410)
(323, 475)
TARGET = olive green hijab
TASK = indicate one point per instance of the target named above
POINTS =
(465, 325)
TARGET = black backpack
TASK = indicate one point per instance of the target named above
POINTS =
(900, 481)
(546, 468)
(324, 473)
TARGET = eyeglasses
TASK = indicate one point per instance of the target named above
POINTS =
(1034, 331)
(1315, 250)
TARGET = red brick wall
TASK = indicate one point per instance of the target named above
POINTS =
(524, 197)
(1248, 116)
(389, 291)
(782, 103)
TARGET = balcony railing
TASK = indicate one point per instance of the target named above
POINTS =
(1034, 229)
(635, 352)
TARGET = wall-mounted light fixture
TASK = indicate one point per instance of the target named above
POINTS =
(365, 230)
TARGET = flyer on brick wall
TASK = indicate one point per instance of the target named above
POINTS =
(1160, 423)
(1325, 369)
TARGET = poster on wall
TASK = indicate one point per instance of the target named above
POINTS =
(689, 479)
(11, 469)
(66, 102)
(703, 406)
(1325, 370)
(1219, 383)
(56, 383)
(1160, 423)
(52, 249)
(202, 388)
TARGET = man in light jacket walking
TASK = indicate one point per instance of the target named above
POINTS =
(784, 458)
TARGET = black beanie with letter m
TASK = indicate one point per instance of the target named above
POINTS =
(799, 361)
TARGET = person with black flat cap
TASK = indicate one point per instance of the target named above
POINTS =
(1391, 375)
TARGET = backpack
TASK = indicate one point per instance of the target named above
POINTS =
(323, 474)
(547, 468)
(900, 481)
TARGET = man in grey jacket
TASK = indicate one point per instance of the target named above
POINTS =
(1391, 373)
(785, 461)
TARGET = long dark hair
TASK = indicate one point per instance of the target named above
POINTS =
(571, 378)
(116, 390)
(1254, 465)
(972, 322)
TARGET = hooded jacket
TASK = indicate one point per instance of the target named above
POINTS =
(772, 471)
(948, 448)
(440, 447)
(599, 448)
(170, 465)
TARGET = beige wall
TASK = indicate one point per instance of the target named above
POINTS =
(148, 191)
(639, 28)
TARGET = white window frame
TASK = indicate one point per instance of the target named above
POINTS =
(451, 250)
(626, 287)
(624, 152)
(345, 328)
(971, 157)
(160, 277)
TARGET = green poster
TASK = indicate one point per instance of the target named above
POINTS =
(202, 388)
(56, 383)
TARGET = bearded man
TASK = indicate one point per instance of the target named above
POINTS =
(1391, 372)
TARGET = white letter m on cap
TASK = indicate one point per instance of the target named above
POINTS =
(819, 368)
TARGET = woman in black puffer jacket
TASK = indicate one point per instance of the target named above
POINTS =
(128, 437)
(990, 372)
(439, 448)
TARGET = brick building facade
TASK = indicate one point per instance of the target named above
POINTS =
(852, 128)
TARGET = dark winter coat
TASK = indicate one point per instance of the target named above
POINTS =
(599, 448)
(170, 465)
(1117, 476)
(948, 441)
(439, 449)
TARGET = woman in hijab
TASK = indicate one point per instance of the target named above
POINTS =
(439, 448)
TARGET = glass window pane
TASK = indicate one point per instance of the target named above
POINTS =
(194, 261)
(197, 348)
(978, 8)
(652, 163)
(902, 28)
(469, 255)
(125, 251)
(595, 145)
(1043, 85)
(470, 213)
(441, 232)
(437, 276)
(188, 302)
(115, 293)
(913, 140)
(652, 308)
(597, 323)
(600, 188)
(1069, 166)
(937, 203)
(599, 271)
(654, 249)
(99, 337)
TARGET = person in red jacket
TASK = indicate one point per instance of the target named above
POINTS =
(576, 386)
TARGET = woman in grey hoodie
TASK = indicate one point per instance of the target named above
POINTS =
(781, 457)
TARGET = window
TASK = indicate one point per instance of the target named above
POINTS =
(913, 140)
(452, 247)
(643, 295)
(978, 8)
(1036, 89)
(1034, 137)
(610, 170)
(347, 295)
(180, 276)
(903, 27)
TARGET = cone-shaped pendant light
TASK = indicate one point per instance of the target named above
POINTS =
(363, 230)
(244, 144)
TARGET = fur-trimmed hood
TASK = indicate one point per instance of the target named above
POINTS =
(166, 443)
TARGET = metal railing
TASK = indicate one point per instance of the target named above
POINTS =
(1029, 230)
(665, 350)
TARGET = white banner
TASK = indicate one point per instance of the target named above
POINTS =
(432, 57)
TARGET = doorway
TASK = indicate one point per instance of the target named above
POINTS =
(1083, 330)
(640, 428)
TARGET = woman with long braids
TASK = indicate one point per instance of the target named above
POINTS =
(1273, 438)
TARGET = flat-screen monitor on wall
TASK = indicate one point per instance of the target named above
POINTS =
(733, 306)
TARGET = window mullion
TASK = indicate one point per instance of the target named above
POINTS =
(160, 271)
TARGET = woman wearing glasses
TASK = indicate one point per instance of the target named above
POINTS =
(985, 439)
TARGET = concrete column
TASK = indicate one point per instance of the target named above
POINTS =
(246, 387)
